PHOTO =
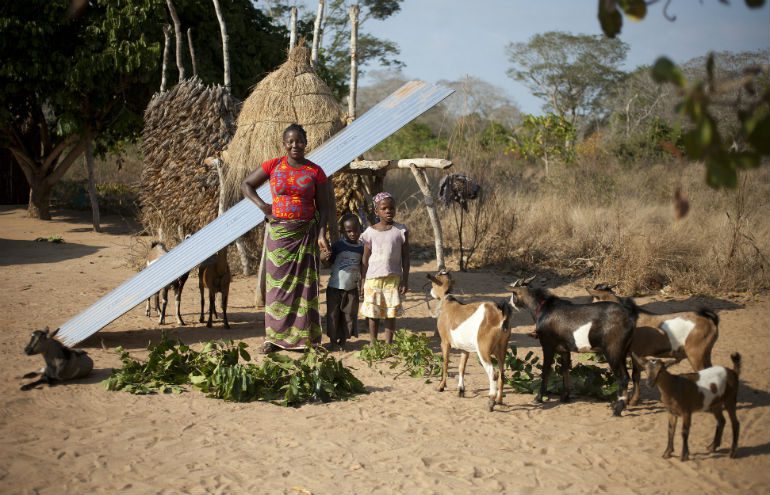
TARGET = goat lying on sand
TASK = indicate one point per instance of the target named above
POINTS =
(61, 362)
(157, 250)
(214, 274)
(687, 334)
(565, 327)
(709, 390)
(480, 327)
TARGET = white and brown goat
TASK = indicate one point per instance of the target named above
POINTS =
(214, 275)
(158, 249)
(61, 362)
(565, 327)
(708, 390)
(480, 327)
(686, 334)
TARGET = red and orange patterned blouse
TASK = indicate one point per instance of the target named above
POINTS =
(293, 189)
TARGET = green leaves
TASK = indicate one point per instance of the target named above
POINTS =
(409, 351)
(586, 380)
(217, 372)
(610, 17)
(665, 71)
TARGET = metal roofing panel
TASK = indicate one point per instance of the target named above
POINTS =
(382, 120)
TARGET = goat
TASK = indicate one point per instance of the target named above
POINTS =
(214, 274)
(565, 327)
(480, 327)
(687, 334)
(708, 390)
(61, 362)
(158, 249)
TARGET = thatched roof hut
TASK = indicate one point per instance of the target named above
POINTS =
(183, 126)
(293, 93)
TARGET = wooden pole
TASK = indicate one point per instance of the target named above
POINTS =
(166, 51)
(293, 29)
(439, 163)
(422, 182)
(225, 47)
(317, 33)
(354, 11)
(192, 52)
(178, 35)
(261, 291)
(89, 162)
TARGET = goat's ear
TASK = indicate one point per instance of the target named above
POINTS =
(514, 284)
(52, 334)
(46, 330)
(431, 278)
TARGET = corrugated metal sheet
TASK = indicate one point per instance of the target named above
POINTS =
(397, 110)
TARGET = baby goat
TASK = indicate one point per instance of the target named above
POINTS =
(214, 274)
(687, 334)
(480, 327)
(565, 327)
(61, 362)
(158, 249)
(709, 390)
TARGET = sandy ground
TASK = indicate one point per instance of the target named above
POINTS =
(402, 437)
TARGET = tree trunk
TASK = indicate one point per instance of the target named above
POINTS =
(166, 51)
(293, 29)
(192, 52)
(354, 10)
(39, 199)
(88, 159)
(260, 292)
(225, 48)
(178, 35)
(317, 34)
(438, 237)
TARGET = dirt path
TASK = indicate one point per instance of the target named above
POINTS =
(402, 437)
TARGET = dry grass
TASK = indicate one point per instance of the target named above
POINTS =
(616, 224)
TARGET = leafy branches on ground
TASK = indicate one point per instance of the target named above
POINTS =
(586, 379)
(217, 371)
(409, 351)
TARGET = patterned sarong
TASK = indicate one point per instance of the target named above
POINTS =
(292, 318)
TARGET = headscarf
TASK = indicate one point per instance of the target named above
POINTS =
(380, 196)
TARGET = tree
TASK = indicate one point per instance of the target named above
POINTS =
(334, 51)
(572, 73)
(705, 141)
(475, 96)
(69, 78)
(547, 138)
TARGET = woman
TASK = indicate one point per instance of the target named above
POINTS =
(296, 223)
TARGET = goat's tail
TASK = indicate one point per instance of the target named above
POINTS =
(710, 314)
(507, 311)
(736, 357)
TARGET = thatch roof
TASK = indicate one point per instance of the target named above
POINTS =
(291, 94)
(183, 126)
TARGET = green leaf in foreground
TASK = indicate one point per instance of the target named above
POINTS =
(216, 370)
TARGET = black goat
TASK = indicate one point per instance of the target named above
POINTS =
(565, 327)
(61, 362)
(158, 249)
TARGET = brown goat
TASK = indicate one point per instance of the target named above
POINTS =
(708, 390)
(157, 250)
(214, 275)
(480, 327)
(687, 334)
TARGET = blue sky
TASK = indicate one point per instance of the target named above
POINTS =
(449, 39)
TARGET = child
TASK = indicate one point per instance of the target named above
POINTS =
(385, 268)
(342, 290)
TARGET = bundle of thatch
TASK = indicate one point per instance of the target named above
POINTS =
(183, 126)
(291, 94)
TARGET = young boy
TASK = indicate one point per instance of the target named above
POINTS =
(342, 290)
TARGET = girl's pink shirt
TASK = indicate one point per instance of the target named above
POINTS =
(385, 247)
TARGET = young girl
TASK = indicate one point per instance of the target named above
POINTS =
(385, 268)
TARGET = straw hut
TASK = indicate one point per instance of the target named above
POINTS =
(182, 126)
(293, 93)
